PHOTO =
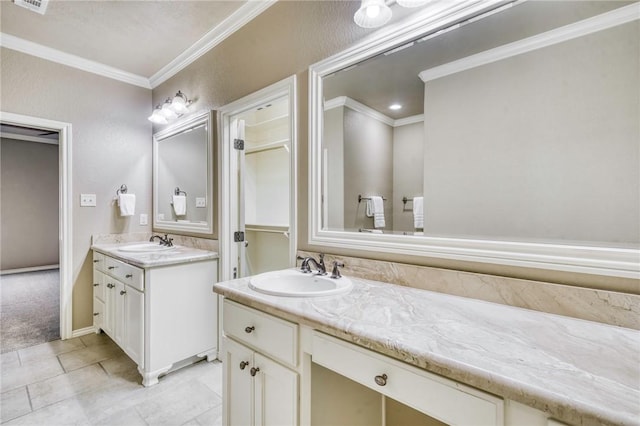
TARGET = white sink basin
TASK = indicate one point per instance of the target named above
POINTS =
(145, 248)
(294, 283)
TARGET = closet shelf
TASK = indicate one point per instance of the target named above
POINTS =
(273, 120)
(268, 146)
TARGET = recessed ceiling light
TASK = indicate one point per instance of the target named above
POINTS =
(395, 106)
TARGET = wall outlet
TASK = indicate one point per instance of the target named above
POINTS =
(201, 202)
(144, 219)
(87, 200)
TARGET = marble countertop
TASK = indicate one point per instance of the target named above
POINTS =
(179, 254)
(580, 372)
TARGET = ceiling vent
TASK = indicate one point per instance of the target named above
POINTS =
(39, 6)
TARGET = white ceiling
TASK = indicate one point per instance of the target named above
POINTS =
(138, 37)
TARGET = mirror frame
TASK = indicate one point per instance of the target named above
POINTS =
(210, 229)
(598, 260)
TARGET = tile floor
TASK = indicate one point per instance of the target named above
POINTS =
(89, 381)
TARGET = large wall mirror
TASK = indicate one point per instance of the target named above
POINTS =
(501, 132)
(184, 177)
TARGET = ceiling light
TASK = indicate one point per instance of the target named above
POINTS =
(395, 107)
(412, 3)
(372, 14)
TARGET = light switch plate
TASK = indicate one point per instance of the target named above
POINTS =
(87, 200)
(201, 202)
(144, 219)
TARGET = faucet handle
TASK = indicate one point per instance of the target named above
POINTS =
(304, 266)
(335, 273)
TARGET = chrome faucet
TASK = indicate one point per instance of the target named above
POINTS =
(164, 241)
(319, 265)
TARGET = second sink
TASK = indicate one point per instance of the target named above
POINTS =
(293, 283)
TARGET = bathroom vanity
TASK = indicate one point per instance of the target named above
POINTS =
(393, 355)
(157, 306)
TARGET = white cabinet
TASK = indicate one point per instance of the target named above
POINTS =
(258, 389)
(162, 317)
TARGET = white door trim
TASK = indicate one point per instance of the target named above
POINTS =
(65, 204)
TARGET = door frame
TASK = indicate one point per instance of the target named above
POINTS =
(227, 164)
(65, 205)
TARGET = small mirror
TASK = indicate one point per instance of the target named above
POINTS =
(184, 195)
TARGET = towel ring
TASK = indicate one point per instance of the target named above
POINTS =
(178, 192)
(122, 190)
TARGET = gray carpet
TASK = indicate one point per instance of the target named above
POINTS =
(29, 309)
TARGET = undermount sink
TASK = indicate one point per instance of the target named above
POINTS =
(294, 283)
(145, 248)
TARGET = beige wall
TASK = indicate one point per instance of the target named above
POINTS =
(408, 172)
(285, 40)
(29, 204)
(111, 145)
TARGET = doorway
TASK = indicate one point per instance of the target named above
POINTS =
(258, 229)
(61, 237)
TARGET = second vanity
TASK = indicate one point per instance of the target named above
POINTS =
(158, 307)
(390, 355)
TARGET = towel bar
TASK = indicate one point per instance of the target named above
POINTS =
(360, 198)
(122, 190)
(178, 192)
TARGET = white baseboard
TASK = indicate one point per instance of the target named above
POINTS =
(83, 331)
(30, 269)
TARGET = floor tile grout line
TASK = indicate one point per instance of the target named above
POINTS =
(26, 388)
(61, 366)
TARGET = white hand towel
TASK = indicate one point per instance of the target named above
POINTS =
(377, 206)
(127, 204)
(418, 212)
(180, 205)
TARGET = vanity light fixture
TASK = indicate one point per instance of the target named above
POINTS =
(170, 109)
(376, 13)
(372, 14)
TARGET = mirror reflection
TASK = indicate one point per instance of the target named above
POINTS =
(182, 177)
(459, 133)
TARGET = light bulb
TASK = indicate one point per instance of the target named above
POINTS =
(179, 103)
(373, 11)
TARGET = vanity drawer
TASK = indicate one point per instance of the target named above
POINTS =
(433, 395)
(128, 274)
(98, 261)
(269, 335)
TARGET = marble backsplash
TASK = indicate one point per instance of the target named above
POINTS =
(620, 309)
(180, 240)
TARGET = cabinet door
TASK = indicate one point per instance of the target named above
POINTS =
(99, 282)
(98, 313)
(134, 324)
(118, 313)
(237, 385)
(276, 393)
(108, 323)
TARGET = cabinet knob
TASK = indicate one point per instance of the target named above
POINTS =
(110, 285)
(123, 292)
(253, 371)
(129, 275)
(243, 365)
(381, 380)
(96, 260)
(96, 284)
(111, 267)
(249, 329)
(95, 314)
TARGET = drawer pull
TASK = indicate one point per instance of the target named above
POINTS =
(253, 371)
(96, 284)
(95, 314)
(129, 275)
(110, 285)
(96, 260)
(243, 365)
(249, 329)
(381, 380)
(123, 292)
(112, 267)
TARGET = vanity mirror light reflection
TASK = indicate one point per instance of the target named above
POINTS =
(515, 123)
(184, 177)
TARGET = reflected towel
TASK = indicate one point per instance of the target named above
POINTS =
(418, 212)
(375, 206)
(180, 205)
(127, 204)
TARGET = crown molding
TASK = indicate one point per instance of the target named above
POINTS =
(362, 108)
(34, 49)
(233, 23)
(587, 26)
